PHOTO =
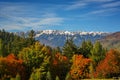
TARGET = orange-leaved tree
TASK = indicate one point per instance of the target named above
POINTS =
(110, 66)
(80, 67)
(10, 66)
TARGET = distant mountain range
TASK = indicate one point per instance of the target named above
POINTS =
(55, 38)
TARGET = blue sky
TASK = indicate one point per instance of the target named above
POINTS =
(71, 15)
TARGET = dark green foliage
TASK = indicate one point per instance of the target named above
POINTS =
(31, 37)
(59, 71)
(69, 49)
(85, 48)
(1, 47)
(12, 43)
(94, 51)
(31, 34)
(97, 52)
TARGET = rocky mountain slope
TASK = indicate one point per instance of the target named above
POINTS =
(56, 38)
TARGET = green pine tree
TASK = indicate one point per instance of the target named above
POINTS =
(69, 48)
(85, 48)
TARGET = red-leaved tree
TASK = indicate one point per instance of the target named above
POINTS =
(110, 66)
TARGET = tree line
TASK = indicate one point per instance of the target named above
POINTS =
(12, 43)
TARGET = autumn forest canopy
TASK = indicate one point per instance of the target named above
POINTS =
(24, 58)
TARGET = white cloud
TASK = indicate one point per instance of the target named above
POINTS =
(47, 14)
(95, 14)
(99, 8)
(26, 9)
(19, 16)
(20, 23)
(113, 4)
(103, 11)
(98, 0)
(11, 27)
(76, 5)
(84, 3)
(54, 20)
(38, 21)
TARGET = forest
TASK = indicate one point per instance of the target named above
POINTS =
(24, 58)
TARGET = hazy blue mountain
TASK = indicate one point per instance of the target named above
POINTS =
(56, 38)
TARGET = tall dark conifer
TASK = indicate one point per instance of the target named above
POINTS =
(69, 48)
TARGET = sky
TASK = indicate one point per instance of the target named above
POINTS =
(70, 15)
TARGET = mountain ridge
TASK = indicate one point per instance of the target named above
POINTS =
(57, 38)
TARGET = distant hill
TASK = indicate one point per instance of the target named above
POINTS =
(111, 41)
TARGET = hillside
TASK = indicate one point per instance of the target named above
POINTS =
(111, 41)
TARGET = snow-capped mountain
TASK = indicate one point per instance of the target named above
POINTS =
(56, 38)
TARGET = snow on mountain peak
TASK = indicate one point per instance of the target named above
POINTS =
(48, 31)
(56, 32)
